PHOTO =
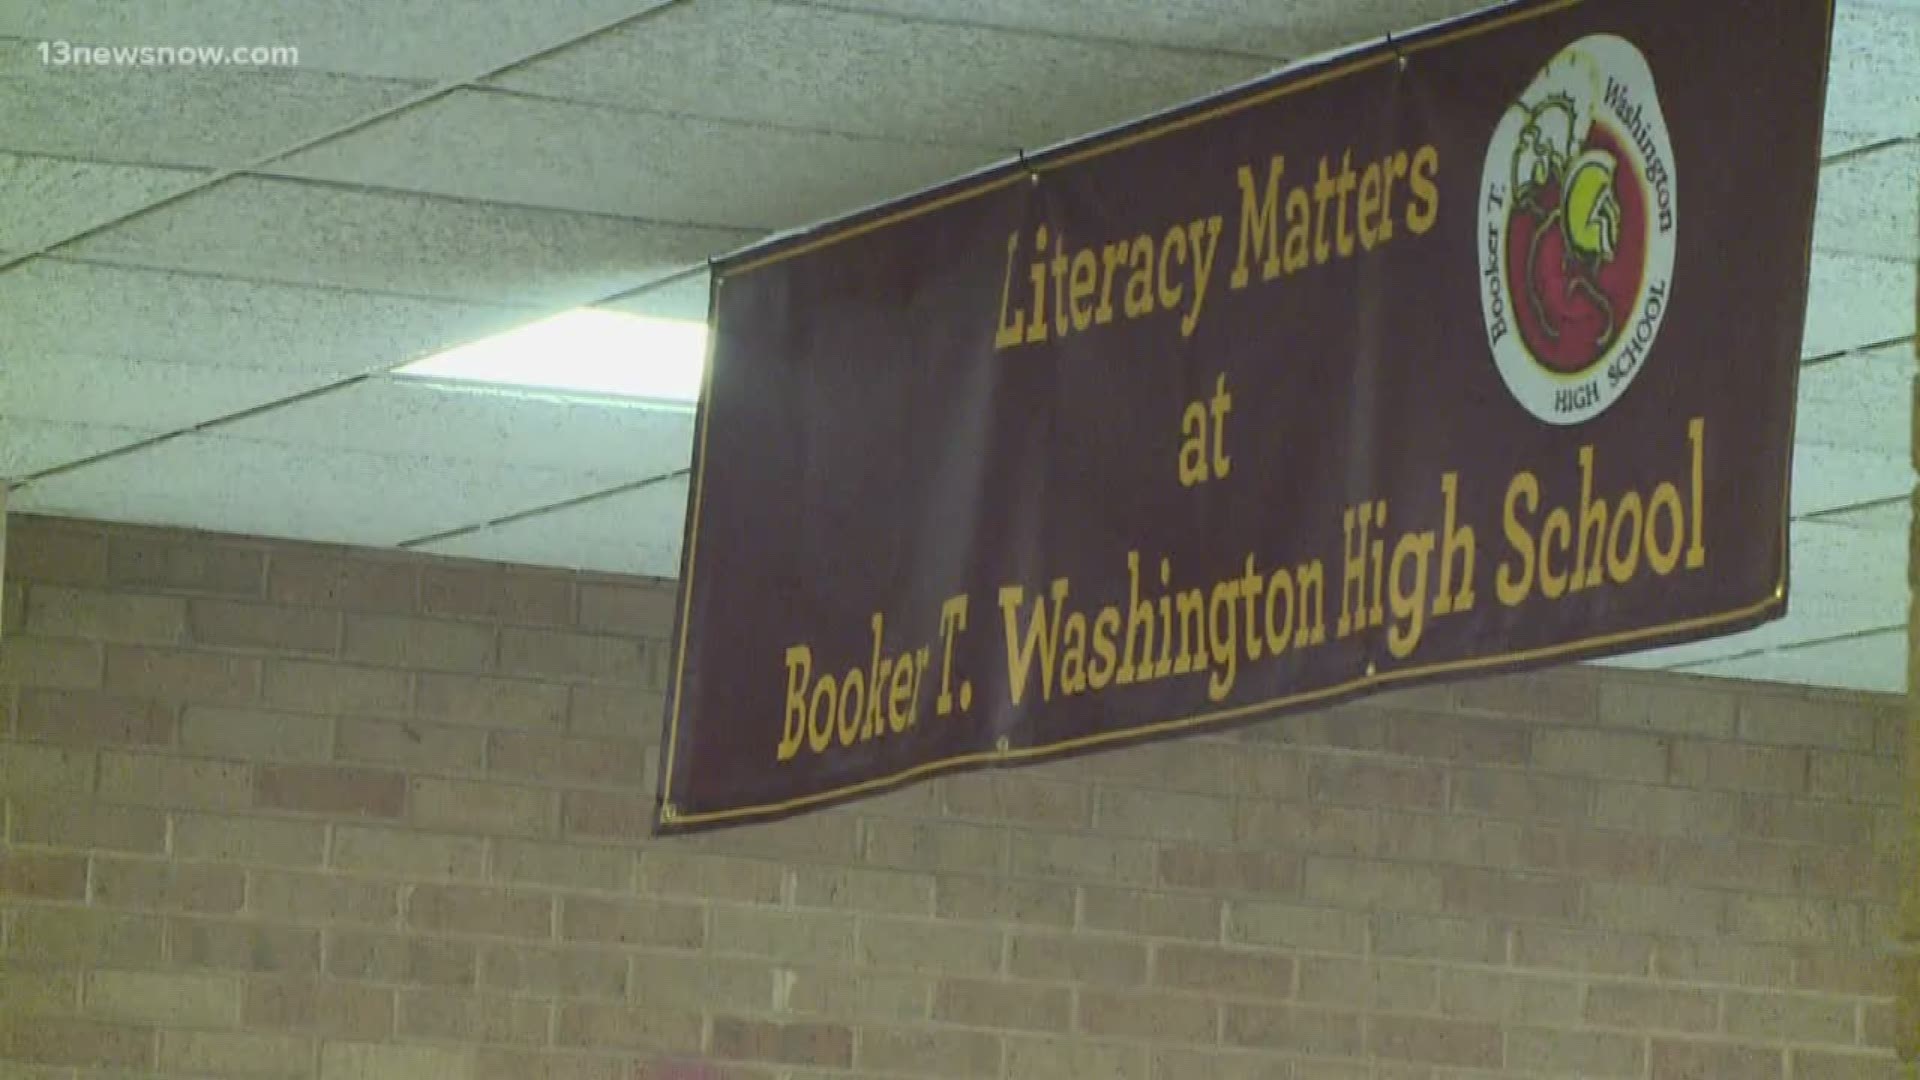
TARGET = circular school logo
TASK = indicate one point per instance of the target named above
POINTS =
(1578, 210)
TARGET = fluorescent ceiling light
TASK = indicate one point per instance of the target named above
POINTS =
(586, 351)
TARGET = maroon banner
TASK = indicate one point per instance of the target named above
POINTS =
(1466, 352)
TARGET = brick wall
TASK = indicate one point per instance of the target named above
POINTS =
(278, 811)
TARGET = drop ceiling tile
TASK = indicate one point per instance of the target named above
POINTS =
(269, 489)
(1876, 663)
(216, 116)
(397, 418)
(132, 392)
(634, 532)
(1870, 203)
(49, 199)
(685, 298)
(28, 446)
(829, 70)
(427, 39)
(1283, 31)
(324, 234)
(1871, 89)
(511, 148)
(1854, 301)
(53, 306)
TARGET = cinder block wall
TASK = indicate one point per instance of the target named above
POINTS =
(278, 811)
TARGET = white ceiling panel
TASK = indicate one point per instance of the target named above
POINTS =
(213, 116)
(285, 230)
(1854, 301)
(1870, 203)
(270, 489)
(1874, 662)
(1871, 89)
(53, 306)
(1282, 31)
(393, 417)
(492, 145)
(1864, 400)
(634, 532)
(1889, 516)
(427, 39)
(683, 298)
(28, 446)
(49, 199)
(131, 392)
(1831, 477)
(822, 69)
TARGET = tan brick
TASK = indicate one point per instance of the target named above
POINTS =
(1367, 984)
(1026, 800)
(92, 719)
(1344, 727)
(185, 564)
(330, 789)
(599, 869)
(1350, 782)
(1722, 960)
(1731, 767)
(1220, 871)
(795, 1044)
(494, 1063)
(473, 1018)
(1103, 961)
(173, 999)
(628, 1027)
(372, 1061)
(59, 665)
(271, 627)
(569, 655)
(1164, 815)
(87, 827)
(1507, 894)
(604, 815)
(1154, 1016)
(616, 712)
(1155, 914)
(813, 838)
(1652, 1007)
(1081, 857)
(1561, 694)
(1582, 951)
(1325, 830)
(539, 969)
(464, 909)
(239, 946)
(160, 886)
(1405, 934)
(1476, 740)
(1522, 796)
(1880, 1025)
(1834, 1065)
(152, 780)
(1178, 1063)
(493, 703)
(1207, 767)
(1614, 755)
(644, 610)
(476, 806)
(1792, 720)
(1071, 1057)
(354, 583)
(1743, 864)
(1797, 1018)
(1471, 841)
(1656, 909)
(794, 937)
(707, 982)
(839, 994)
(1867, 971)
(38, 993)
(42, 876)
(428, 644)
(326, 1007)
(1789, 920)
(1442, 1042)
(1806, 821)
(930, 1052)
(1667, 705)
(1004, 900)
(713, 877)
(57, 1040)
(994, 1003)
(237, 1055)
(249, 840)
(255, 734)
(1293, 1028)
(400, 958)
(654, 923)
(1676, 1060)
(1662, 811)
(58, 612)
(410, 743)
(1226, 972)
(182, 675)
(403, 853)
(622, 763)
(320, 687)
(325, 899)
(1584, 1053)
(496, 595)
(47, 771)
(52, 550)
(1368, 885)
(73, 938)
(1293, 926)
(1493, 994)
(929, 948)
(1856, 778)
(936, 846)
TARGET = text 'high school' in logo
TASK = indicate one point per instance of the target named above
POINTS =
(1578, 212)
